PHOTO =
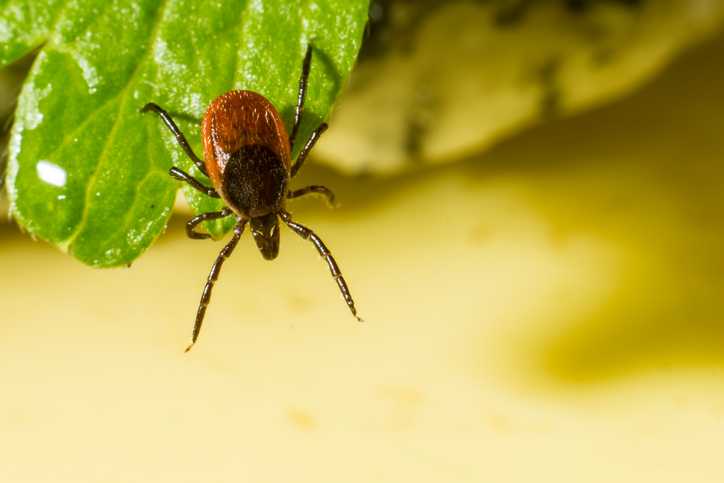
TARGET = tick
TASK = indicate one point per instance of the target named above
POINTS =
(247, 156)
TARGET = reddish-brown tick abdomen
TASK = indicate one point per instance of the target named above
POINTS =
(236, 119)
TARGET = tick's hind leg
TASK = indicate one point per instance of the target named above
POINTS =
(213, 215)
(306, 66)
(313, 189)
(183, 176)
(308, 234)
(303, 80)
(177, 132)
(308, 148)
(213, 277)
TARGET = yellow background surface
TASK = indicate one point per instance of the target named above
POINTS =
(548, 311)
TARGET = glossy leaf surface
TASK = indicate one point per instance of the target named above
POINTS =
(86, 170)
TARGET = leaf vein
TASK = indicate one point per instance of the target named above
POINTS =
(123, 94)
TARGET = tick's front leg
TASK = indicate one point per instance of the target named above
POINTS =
(308, 234)
(212, 215)
(183, 176)
(213, 277)
(321, 190)
(177, 132)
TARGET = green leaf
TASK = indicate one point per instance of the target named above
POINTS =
(86, 170)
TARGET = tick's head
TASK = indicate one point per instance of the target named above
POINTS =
(266, 234)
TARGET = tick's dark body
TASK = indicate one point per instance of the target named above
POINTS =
(255, 181)
(247, 156)
(247, 153)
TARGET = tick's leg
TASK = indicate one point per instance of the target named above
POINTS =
(213, 277)
(213, 215)
(179, 135)
(308, 234)
(302, 95)
(308, 147)
(182, 176)
(312, 189)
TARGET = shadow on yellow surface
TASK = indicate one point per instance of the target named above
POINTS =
(645, 175)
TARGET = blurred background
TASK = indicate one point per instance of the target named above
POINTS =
(531, 222)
